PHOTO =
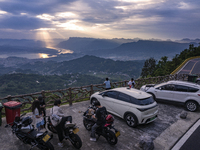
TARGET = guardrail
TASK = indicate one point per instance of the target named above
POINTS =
(76, 94)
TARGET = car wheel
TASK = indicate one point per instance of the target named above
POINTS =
(93, 100)
(131, 120)
(191, 106)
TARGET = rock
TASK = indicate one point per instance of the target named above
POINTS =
(146, 143)
(183, 115)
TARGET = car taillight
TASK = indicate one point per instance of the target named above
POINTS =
(198, 94)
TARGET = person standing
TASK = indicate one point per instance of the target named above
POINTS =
(38, 115)
(131, 83)
(107, 83)
(42, 107)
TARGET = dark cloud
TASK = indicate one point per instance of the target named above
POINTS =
(23, 22)
(34, 7)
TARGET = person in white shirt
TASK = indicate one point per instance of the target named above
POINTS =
(60, 124)
(107, 83)
(131, 83)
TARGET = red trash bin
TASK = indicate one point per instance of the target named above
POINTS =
(12, 110)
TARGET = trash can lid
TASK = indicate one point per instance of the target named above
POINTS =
(12, 104)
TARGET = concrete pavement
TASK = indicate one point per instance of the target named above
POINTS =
(165, 131)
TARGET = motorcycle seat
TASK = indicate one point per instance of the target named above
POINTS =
(35, 133)
(69, 125)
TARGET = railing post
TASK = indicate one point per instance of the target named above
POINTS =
(9, 98)
(43, 94)
(92, 90)
(70, 97)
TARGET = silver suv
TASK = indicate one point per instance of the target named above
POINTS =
(180, 92)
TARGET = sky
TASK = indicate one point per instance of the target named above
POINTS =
(146, 19)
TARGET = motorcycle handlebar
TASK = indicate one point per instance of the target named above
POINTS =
(14, 121)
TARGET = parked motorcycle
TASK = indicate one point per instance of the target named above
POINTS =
(107, 130)
(26, 132)
(70, 133)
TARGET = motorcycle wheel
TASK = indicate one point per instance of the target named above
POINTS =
(49, 146)
(51, 128)
(87, 126)
(45, 146)
(111, 138)
(76, 141)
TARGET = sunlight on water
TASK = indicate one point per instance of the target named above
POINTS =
(42, 55)
(61, 50)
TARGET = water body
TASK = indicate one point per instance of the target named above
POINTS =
(37, 55)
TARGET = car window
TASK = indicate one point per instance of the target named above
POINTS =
(145, 101)
(181, 88)
(111, 94)
(168, 87)
(124, 97)
(190, 89)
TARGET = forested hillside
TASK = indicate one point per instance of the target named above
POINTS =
(153, 68)
(16, 84)
(86, 65)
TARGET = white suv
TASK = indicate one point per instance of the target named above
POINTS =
(180, 92)
(134, 106)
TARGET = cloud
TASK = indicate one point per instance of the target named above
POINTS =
(119, 18)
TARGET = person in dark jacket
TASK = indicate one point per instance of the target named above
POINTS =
(42, 107)
(100, 116)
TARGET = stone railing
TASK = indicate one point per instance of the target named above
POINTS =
(76, 94)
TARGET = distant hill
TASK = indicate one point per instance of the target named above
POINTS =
(79, 44)
(143, 49)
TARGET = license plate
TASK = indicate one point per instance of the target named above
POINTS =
(117, 134)
(46, 138)
(76, 130)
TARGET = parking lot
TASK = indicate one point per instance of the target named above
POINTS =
(168, 119)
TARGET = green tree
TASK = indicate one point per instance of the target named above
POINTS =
(149, 67)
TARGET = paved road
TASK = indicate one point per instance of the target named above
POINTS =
(190, 139)
(191, 67)
(168, 122)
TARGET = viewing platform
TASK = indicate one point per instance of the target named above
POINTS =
(165, 131)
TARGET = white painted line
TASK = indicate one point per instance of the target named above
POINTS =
(186, 136)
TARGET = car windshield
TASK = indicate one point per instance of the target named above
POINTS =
(158, 85)
(146, 101)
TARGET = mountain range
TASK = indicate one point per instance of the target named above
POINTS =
(130, 50)
(116, 49)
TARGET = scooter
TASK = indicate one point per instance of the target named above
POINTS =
(26, 132)
(107, 130)
(70, 133)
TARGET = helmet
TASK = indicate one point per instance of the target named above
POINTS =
(96, 103)
(109, 119)
(27, 121)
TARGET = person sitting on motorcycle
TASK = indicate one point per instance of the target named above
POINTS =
(60, 124)
(100, 117)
